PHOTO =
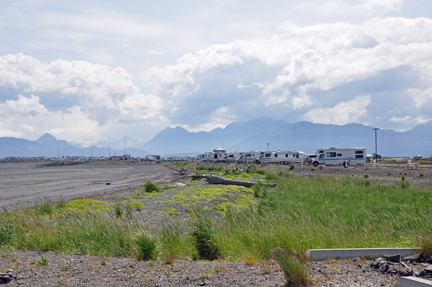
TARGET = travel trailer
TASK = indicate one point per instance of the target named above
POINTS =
(340, 156)
(287, 156)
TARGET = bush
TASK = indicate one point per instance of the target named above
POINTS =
(365, 175)
(45, 207)
(202, 233)
(151, 187)
(147, 246)
(295, 273)
(118, 211)
(7, 232)
(291, 166)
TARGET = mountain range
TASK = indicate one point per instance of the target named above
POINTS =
(257, 134)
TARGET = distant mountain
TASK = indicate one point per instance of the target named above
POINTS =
(304, 136)
(120, 143)
(47, 145)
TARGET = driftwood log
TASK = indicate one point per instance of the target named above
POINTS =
(220, 180)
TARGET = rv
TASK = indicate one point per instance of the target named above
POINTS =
(230, 157)
(264, 158)
(250, 156)
(340, 156)
(287, 156)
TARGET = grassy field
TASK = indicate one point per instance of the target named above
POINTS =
(299, 214)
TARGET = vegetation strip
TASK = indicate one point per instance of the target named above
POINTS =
(300, 213)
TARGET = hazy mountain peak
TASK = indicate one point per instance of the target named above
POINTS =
(46, 138)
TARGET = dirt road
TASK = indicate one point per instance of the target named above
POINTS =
(23, 182)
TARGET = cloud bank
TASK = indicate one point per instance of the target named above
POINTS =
(376, 71)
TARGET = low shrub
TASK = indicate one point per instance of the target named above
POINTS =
(202, 233)
(147, 246)
(294, 271)
(118, 211)
(291, 166)
(365, 175)
(151, 187)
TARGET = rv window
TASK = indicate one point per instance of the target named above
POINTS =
(297, 156)
(321, 156)
(359, 156)
(275, 154)
(321, 151)
(231, 155)
(286, 155)
(331, 154)
(268, 154)
(339, 154)
(359, 152)
(248, 155)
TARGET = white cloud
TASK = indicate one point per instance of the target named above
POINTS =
(342, 113)
(409, 121)
(421, 97)
(220, 118)
(381, 5)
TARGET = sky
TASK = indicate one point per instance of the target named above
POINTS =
(86, 71)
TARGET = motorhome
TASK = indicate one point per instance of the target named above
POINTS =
(340, 156)
(230, 157)
(249, 156)
(265, 157)
(287, 156)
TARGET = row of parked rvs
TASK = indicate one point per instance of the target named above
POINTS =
(330, 156)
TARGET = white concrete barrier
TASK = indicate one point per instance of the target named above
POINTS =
(323, 254)
(413, 282)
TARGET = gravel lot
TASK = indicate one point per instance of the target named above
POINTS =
(24, 182)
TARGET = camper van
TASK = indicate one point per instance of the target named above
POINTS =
(340, 156)
(287, 156)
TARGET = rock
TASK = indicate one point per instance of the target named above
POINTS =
(428, 269)
(392, 270)
(404, 272)
(378, 262)
(393, 258)
(384, 267)
(429, 260)
(5, 279)
(415, 258)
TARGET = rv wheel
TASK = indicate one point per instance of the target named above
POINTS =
(315, 164)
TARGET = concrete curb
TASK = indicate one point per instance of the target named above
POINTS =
(322, 254)
(412, 282)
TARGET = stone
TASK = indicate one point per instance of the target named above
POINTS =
(393, 258)
(429, 260)
(5, 279)
(383, 268)
(420, 257)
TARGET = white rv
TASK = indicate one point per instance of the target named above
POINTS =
(287, 156)
(265, 157)
(230, 157)
(249, 156)
(340, 156)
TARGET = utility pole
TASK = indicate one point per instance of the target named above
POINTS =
(109, 146)
(125, 144)
(91, 147)
(376, 145)
(268, 146)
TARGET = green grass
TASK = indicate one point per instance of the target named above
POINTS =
(134, 205)
(298, 214)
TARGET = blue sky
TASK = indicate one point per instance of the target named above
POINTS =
(89, 70)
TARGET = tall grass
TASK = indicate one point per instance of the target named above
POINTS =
(299, 214)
